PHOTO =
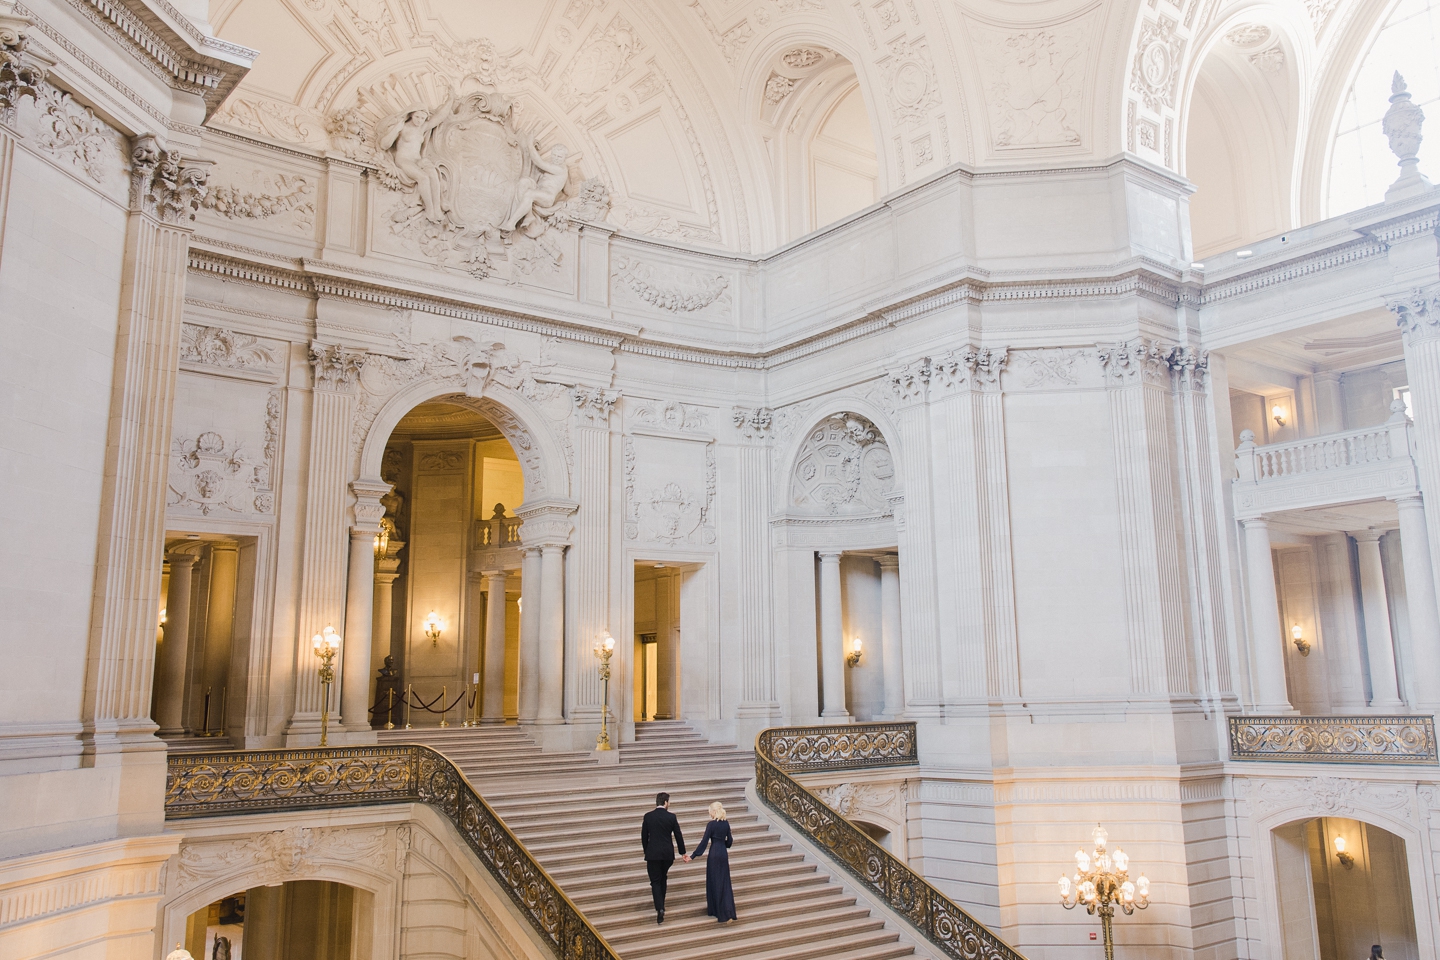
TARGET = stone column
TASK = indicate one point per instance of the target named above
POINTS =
(1422, 654)
(529, 635)
(493, 678)
(219, 632)
(1384, 690)
(169, 704)
(832, 641)
(387, 570)
(165, 192)
(324, 562)
(891, 653)
(1329, 404)
(1418, 314)
(1267, 647)
(355, 650)
(590, 554)
(750, 566)
(552, 634)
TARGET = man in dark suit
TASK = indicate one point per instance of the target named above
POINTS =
(655, 835)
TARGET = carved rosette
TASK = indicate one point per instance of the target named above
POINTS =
(336, 367)
(163, 184)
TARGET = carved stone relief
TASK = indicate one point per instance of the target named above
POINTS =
(670, 415)
(289, 201)
(911, 89)
(277, 121)
(844, 467)
(1159, 54)
(1057, 367)
(1034, 82)
(209, 474)
(280, 855)
(669, 288)
(217, 347)
(603, 58)
(855, 800)
(669, 491)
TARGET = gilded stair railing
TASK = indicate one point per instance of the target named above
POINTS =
(254, 781)
(780, 751)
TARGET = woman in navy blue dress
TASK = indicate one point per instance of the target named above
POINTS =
(719, 895)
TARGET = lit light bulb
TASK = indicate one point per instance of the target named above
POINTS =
(1101, 836)
(1127, 892)
(1142, 886)
(1339, 844)
(1296, 633)
(1082, 861)
(1064, 888)
(1122, 860)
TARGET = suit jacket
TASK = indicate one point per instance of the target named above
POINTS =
(655, 835)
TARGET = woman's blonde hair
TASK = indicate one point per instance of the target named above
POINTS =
(717, 811)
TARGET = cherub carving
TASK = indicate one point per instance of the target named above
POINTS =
(536, 197)
(403, 135)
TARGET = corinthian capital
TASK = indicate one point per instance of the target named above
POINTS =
(21, 72)
(164, 184)
(753, 422)
(1138, 360)
(908, 384)
(593, 405)
(336, 367)
(1417, 312)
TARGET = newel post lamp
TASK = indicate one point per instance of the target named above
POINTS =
(327, 644)
(604, 648)
(1102, 883)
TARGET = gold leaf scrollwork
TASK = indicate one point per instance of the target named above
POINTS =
(1402, 740)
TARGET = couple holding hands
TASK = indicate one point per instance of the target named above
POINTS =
(655, 838)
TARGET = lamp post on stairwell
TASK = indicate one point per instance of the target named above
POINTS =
(1102, 882)
(326, 644)
(604, 647)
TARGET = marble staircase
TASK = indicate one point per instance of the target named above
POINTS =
(581, 820)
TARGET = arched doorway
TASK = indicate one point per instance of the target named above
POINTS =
(448, 571)
(315, 919)
(1342, 886)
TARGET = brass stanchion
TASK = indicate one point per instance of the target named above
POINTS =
(409, 688)
(390, 710)
(444, 692)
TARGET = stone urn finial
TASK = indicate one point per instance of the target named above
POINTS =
(1402, 128)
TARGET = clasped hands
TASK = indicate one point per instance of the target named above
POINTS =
(686, 858)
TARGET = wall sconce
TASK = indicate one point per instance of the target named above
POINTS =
(433, 628)
(853, 657)
(1278, 412)
(163, 618)
(1345, 859)
(1301, 643)
(382, 543)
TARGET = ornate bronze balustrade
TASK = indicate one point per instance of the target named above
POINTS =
(1334, 739)
(841, 747)
(820, 749)
(254, 781)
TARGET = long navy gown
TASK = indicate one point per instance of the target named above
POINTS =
(719, 895)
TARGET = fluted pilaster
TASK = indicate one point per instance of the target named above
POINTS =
(752, 565)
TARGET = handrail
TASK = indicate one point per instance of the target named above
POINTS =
(254, 781)
(863, 745)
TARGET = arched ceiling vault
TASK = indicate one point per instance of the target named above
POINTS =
(665, 99)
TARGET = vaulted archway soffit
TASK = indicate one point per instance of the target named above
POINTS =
(531, 412)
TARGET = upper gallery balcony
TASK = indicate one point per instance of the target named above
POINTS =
(1374, 463)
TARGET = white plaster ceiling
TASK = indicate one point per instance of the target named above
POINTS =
(666, 100)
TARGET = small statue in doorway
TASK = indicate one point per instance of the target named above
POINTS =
(499, 512)
(1375, 953)
(221, 950)
(388, 671)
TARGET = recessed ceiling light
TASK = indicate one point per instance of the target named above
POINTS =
(1197, 266)
(1242, 254)
(659, 566)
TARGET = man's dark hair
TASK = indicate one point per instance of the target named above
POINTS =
(661, 799)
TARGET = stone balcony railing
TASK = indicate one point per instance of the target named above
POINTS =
(1370, 464)
(1374, 739)
(504, 532)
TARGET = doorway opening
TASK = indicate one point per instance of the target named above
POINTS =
(203, 634)
(657, 640)
(1343, 886)
(315, 919)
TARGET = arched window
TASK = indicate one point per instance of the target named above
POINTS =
(1361, 164)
